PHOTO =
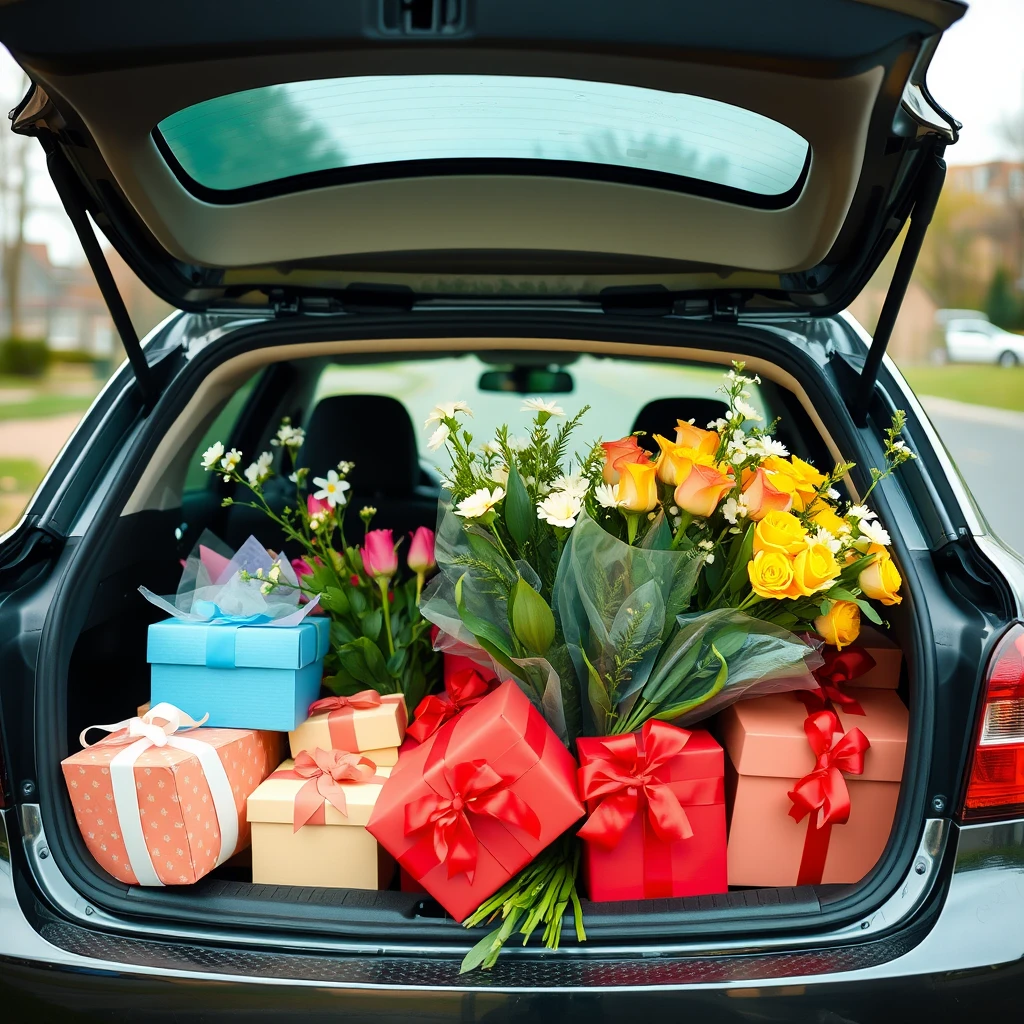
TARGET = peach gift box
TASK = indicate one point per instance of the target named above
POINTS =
(888, 658)
(769, 752)
(375, 731)
(167, 815)
(338, 852)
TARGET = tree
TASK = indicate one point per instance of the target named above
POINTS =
(1001, 304)
(14, 209)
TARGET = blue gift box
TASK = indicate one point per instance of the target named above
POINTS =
(243, 677)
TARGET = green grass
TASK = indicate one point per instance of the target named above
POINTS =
(1001, 387)
(44, 405)
(20, 475)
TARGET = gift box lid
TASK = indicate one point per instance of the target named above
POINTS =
(274, 799)
(765, 735)
(223, 645)
(167, 756)
(353, 727)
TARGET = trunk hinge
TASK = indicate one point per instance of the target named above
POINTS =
(72, 197)
(930, 185)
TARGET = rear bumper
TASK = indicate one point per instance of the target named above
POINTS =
(956, 959)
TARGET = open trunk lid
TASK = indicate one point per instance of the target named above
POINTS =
(726, 156)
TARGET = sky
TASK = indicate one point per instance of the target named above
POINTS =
(977, 75)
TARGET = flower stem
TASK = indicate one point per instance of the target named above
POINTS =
(382, 583)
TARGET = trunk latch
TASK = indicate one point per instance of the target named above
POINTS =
(422, 17)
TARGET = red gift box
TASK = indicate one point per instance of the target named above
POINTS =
(656, 800)
(463, 689)
(478, 800)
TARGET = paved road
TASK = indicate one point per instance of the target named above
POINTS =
(988, 447)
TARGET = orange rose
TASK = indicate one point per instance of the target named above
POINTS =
(765, 495)
(617, 454)
(676, 461)
(702, 490)
(689, 436)
(638, 487)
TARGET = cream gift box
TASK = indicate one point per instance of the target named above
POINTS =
(368, 723)
(308, 823)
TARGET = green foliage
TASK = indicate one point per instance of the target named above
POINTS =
(1002, 304)
(24, 357)
(532, 619)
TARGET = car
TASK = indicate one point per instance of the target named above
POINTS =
(360, 209)
(974, 339)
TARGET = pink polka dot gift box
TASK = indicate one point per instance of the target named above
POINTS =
(162, 802)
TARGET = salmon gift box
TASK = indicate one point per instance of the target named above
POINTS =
(656, 803)
(160, 802)
(308, 823)
(814, 791)
(367, 723)
(478, 800)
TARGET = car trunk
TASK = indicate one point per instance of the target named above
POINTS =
(100, 672)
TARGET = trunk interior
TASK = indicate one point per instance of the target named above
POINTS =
(341, 392)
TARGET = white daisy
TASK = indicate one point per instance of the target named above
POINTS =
(213, 455)
(605, 496)
(490, 448)
(822, 536)
(833, 494)
(332, 488)
(447, 411)
(499, 474)
(571, 483)
(288, 436)
(438, 437)
(479, 503)
(875, 532)
(552, 408)
(230, 462)
(764, 446)
(860, 512)
(746, 410)
(734, 509)
(260, 469)
(719, 425)
(560, 509)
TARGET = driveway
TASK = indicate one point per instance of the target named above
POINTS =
(988, 448)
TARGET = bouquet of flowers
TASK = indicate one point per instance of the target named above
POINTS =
(379, 640)
(627, 585)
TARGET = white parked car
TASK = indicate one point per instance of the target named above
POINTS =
(974, 340)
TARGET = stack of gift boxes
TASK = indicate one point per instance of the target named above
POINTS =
(237, 746)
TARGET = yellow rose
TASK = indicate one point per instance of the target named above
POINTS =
(880, 579)
(795, 477)
(823, 515)
(702, 490)
(638, 486)
(771, 575)
(689, 436)
(676, 461)
(814, 568)
(779, 531)
(840, 625)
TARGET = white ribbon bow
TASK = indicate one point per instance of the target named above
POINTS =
(157, 728)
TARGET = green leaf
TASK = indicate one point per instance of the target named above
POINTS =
(532, 619)
(870, 612)
(688, 705)
(597, 694)
(490, 638)
(397, 661)
(739, 580)
(518, 509)
(335, 600)
(823, 608)
(362, 660)
(340, 634)
(371, 623)
(486, 947)
(358, 600)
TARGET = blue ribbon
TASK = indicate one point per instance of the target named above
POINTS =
(220, 642)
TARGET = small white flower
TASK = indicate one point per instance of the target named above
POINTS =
(833, 494)
(479, 503)
(368, 510)
(706, 545)
(499, 474)
(288, 436)
(213, 455)
(860, 512)
(571, 483)
(734, 509)
(844, 530)
(738, 456)
(447, 411)
(293, 477)
(344, 468)
(764, 446)
(552, 408)
(710, 559)
(899, 446)
(673, 510)
(275, 573)
(266, 588)
(560, 509)
(605, 496)
(518, 444)
(332, 489)
(490, 448)
(438, 437)
(230, 462)
(822, 536)
(746, 410)
(719, 425)
(875, 532)
(260, 469)
(316, 521)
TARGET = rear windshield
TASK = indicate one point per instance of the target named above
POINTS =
(272, 134)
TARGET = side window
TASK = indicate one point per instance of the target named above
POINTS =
(221, 429)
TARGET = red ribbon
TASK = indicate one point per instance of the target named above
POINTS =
(341, 714)
(629, 776)
(443, 818)
(464, 689)
(324, 771)
(840, 667)
(823, 793)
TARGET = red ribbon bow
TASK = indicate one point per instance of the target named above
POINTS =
(823, 793)
(628, 777)
(464, 689)
(840, 667)
(324, 771)
(445, 820)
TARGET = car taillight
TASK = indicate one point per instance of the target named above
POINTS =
(995, 785)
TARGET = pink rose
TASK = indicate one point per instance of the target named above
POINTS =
(302, 567)
(316, 506)
(380, 559)
(421, 551)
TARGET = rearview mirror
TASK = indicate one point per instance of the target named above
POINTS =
(527, 380)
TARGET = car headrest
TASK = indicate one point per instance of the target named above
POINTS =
(659, 416)
(373, 431)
